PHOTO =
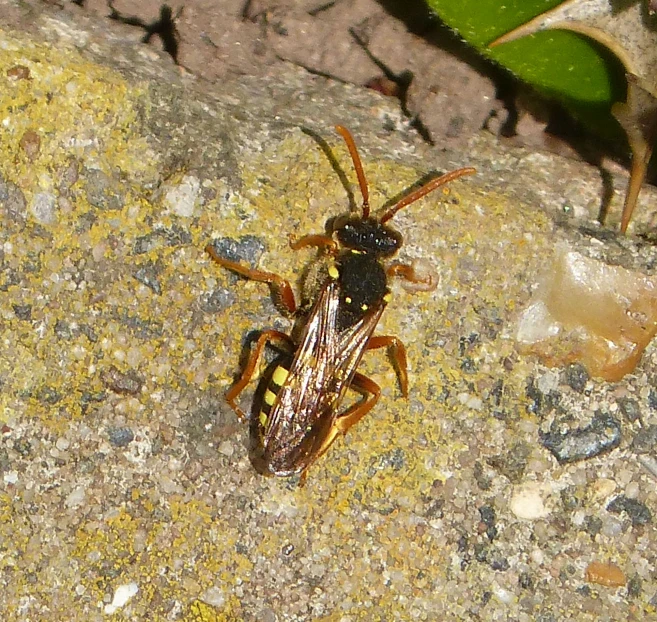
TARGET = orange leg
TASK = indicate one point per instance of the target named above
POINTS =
(370, 392)
(418, 277)
(397, 351)
(266, 337)
(319, 241)
(281, 288)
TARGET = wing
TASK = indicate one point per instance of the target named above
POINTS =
(320, 374)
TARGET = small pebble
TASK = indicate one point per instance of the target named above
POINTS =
(645, 440)
(128, 383)
(601, 435)
(576, 377)
(638, 512)
(44, 208)
(248, 248)
(182, 198)
(121, 597)
(527, 501)
(30, 143)
(607, 574)
(18, 72)
(121, 437)
(630, 408)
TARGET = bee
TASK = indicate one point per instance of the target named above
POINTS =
(301, 409)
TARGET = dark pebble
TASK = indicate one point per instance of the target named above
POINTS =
(48, 395)
(489, 518)
(634, 586)
(147, 275)
(630, 408)
(102, 191)
(218, 300)
(128, 383)
(18, 72)
(23, 447)
(638, 512)
(645, 440)
(395, 459)
(248, 248)
(601, 435)
(12, 202)
(499, 563)
(592, 525)
(652, 399)
(481, 552)
(541, 403)
(120, 437)
(65, 330)
(497, 392)
(23, 312)
(513, 463)
(89, 333)
(483, 481)
(576, 377)
(287, 549)
(163, 236)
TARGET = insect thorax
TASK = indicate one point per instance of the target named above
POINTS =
(363, 285)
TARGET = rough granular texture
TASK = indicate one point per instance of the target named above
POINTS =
(127, 485)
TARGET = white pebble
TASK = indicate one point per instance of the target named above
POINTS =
(121, 597)
(528, 501)
(182, 198)
(43, 208)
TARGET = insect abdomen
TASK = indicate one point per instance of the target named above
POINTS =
(277, 380)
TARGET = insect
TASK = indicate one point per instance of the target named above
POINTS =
(301, 409)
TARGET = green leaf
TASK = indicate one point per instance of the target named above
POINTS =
(576, 70)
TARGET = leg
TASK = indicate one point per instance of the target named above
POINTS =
(319, 241)
(397, 352)
(370, 392)
(266, 337)
(281, 288)
(418, 277)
